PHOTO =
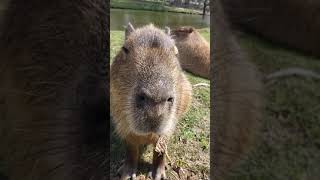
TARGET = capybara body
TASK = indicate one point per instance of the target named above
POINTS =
(294, 23)
(194, 51)
(53, 90)
(149, 93)
(236, 98)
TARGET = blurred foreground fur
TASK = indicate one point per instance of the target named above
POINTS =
(53, 84)
(236, 102)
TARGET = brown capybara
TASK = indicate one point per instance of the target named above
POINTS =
(294, 23)
(53, 90)
(194, 51)
(236, 99)
(149, 93)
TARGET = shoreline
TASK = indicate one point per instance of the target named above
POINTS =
(150, 6)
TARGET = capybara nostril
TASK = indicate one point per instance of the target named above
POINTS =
(170, 100)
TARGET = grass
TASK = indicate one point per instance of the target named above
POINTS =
(192, 131)
(289, 141)
(150, 6)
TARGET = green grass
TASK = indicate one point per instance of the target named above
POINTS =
(289, 141)
(150, 6)
(192, 130)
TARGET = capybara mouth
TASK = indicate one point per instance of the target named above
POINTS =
(154, 127)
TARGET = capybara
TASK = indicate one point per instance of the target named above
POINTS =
(236, 98)
(54, 103)
(194, 51)
(149, 93)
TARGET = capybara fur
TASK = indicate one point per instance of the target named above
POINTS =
(53, 90)
(293, 23)
(149, 93)
(236, 99)
(194, 51)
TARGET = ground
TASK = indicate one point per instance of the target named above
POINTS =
(193, 130)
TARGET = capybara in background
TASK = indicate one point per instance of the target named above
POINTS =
(149, 93)
(54, 103)
(194, 51)
(236, 98)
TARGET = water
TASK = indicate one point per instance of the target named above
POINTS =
(120, 17)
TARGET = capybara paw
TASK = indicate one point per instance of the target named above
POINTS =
(158, 174)
(127, 171)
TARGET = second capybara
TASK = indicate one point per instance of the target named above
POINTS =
(194, 51)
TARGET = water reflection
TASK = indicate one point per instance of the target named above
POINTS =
(120, 17)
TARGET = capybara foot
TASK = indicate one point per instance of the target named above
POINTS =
(158, 174)
(127, 171)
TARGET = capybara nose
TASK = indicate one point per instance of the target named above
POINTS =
(144, 100)
(147, 99)
(154, 94)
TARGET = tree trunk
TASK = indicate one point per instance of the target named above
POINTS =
(204, 8)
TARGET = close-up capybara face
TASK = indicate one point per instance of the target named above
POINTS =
(151, 56)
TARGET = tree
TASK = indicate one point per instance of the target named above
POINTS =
(205, 5)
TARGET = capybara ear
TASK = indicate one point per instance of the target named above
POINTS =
(125, 49)
(190, 30)
(167, 30)
(129, 30)
(184, 30)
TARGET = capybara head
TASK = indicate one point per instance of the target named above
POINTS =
(183, 32)
(146, 71)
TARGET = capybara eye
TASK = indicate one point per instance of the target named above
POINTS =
(170, 99)
(125, 49)
(141, 98)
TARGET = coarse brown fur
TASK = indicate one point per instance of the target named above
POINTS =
(194, 51)
(236, 99)
(53, 83)
(294, 23)
(148, 63)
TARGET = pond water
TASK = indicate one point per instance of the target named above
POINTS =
(120, 17)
